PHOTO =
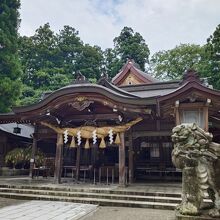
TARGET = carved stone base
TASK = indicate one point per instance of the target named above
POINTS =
(202, 216)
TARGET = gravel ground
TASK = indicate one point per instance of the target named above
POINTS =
(121, 213)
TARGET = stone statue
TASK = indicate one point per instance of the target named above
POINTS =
(199, 159)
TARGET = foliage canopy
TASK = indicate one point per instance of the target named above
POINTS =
(10, 68)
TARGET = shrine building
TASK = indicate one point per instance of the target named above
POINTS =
(118, 130)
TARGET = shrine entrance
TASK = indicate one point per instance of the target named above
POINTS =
(82, 130)
(96, 165)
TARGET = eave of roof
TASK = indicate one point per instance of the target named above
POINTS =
(116, 94)
(189, 86)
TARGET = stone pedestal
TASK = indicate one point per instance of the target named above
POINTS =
(191, 198)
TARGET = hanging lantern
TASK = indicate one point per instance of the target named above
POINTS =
(87, 144)
(102, 144)
(94, 137)
(110, 133)
(73, 143)
(79, 139)
(117, 139)
(17, 130)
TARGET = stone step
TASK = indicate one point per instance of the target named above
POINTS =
(162, 199)
(95, 190)
(98, 201)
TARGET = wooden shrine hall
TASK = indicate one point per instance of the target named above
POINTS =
(119, 130)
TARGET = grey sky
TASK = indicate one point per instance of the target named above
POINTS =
(163, 23)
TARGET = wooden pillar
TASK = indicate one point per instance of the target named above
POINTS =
(206, 116)
(59, 159)
(32, 160)
(94, 155)
(161, 151)
(130, 158)
(122, 180)
(78, 162)
(158, 125)
(177, 112)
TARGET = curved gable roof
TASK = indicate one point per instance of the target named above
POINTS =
(115, 94)
(130, 67)
(188, 86)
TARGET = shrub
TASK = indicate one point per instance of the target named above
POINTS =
(22, 156)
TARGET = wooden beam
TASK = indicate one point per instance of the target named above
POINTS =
(58, 159)
(78, 162)
(42, 136)
(78, 118)
(130, 158)
(137, 134)
(121, 151)
(191, 105)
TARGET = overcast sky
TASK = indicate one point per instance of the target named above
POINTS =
(163, 23)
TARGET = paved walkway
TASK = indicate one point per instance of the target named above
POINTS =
(46, 210)
(122, 213)
(13, 209)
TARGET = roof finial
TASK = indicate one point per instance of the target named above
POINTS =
(104, 74)
(80, 78)
(104, 77)
(189, 76)
(130, 60)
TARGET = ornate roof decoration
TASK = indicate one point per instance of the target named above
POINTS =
(133, 70)
(80, 78)
(104, 77)
(80, 103)
(190, 76)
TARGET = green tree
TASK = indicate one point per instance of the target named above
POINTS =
(43, 64)
(39, 55)
(89, 62)
(213, 52)
(171, 64)
(10, 68)
(70, 46)
(130, 44)
(112, 62)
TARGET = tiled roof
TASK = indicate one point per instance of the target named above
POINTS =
(153, 89)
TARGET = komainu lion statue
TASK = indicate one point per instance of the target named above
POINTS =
(199, 159)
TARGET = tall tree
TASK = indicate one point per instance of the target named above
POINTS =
(89, 62)
(49, 61)
(42, 64)
(39, 54)
(130, 44)
(213, 51)
(112, 62)
(70, 47)
(171, 64)
(10, 69)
